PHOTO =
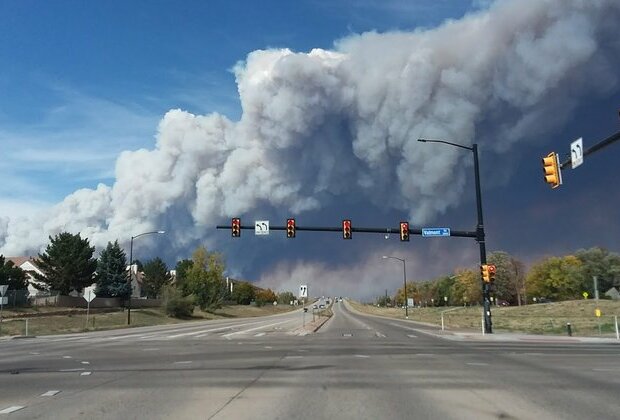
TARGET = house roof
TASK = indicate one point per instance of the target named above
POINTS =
(18, 261)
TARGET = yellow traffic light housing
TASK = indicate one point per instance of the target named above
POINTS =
(484, 269)
(551, 167)
(491, 269)
(290, 228)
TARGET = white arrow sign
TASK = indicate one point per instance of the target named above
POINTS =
(261, 227)
(3, 288)
(576, 152)
(303, 291)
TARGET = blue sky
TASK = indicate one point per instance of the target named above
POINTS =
(80, 82)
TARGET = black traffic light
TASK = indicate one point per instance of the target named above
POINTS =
(404, 231)
(290, 228)
(346, 229)
(236, 227)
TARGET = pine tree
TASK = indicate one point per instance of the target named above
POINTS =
(67, 263)
(11, 275)
(112, 275)
(156, 276)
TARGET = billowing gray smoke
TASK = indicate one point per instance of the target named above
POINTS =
(319, 125)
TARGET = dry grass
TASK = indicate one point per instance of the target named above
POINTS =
(549, 318)
(75, 320)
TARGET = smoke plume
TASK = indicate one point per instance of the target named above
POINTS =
(342, 124)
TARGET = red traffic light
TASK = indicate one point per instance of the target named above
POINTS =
(236, 227)
(290, 228)
(346, 229)
(404, 231)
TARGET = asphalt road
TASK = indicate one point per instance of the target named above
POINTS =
(355, 367)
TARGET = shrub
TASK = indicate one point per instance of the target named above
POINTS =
(177, 305)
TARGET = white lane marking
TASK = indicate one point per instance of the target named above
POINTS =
(85, 373)
(260, 334)
(380, 335)
(201, 335)
(11, 409)
(229, 327)
(302, 351)
(67, 357)
(477, 364)
(71, 370)
(294, 357)
(347, 335)
(268, 347)
(85, 363)
(34, 352)
(253, 329)
(150, 349)
(363, 356)
(183, 362)
(50, 393)
(606, 370)
(424, 354)
(412, 336)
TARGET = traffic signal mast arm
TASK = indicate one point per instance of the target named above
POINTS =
(395, 230)
(598, 146)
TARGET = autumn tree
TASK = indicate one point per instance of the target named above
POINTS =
(509, 282)
(243, 293)
(265, 296)
(205, 280)
(467, 288)
(556, 278)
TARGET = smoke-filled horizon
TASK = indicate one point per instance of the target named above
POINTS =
(329, 127)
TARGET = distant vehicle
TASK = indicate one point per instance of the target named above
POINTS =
(322, 306)
(315, 307)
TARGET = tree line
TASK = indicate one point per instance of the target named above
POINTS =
(550, 279)
(68, 264)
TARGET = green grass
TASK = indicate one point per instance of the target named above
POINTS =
(74, 320)
(549, 318)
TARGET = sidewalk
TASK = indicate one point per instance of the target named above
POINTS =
(515, 337)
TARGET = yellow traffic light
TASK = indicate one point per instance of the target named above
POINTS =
(551, 167)
(484, 269)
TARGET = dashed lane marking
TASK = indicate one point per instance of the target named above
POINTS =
(85, 373)
(477, 364)
(11, 409)
(183, 362)
(412, 336)
(268, 347)
(50, 393)
(362, 356)
(67, 357)
(380, 335)
(71, 370)
(260, 334)
(253, 329)
(294, 357)
(150, 349)
(85, 363)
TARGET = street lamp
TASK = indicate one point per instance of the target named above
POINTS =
(486, 292)
(404, 282)
(159, 232)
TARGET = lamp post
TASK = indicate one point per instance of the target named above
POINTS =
(160, 232)
(486, 291)
(404, 282)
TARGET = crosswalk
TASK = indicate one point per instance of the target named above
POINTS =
(229, 331)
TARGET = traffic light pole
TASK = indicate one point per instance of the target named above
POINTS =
(486, 287)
